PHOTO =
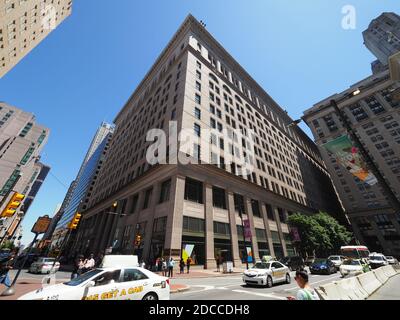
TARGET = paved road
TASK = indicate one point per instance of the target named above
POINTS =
(25, 275)
(233, 288)
(390, 291)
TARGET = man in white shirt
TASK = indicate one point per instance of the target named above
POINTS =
(90, 263)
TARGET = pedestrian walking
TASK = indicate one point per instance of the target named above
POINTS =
(182, 266)
(218, 264)
(99, 260)
(143, 264)
(188, 263)
(164, 267)
(171, 264)
(89, 263)
(78, 267)
(5, 266)
(305, 292)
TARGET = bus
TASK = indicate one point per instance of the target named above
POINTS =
(355, 252)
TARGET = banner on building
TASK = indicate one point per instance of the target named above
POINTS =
(249, 254)
(247, 229)
(349, 157)
(295, 234)
(187, 251)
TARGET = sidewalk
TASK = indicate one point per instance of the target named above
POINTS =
(390, 291)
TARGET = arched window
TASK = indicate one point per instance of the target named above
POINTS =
(214, 78)
(238, 99)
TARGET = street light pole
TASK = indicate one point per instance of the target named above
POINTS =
(370, 163)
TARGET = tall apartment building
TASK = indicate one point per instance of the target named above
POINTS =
(24, 24)
(83, 184)
(375, 116)
(194, 210)
(382, 38)
(21, 142)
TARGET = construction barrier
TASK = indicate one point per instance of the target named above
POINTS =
(381, 275)
(369, 282)
(331, 292)
(353, 288)
(389, 271)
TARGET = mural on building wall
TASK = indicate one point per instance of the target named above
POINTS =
(349, 157)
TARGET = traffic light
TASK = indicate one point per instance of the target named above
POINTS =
(13, 205)
(75, 221)
(138, 240)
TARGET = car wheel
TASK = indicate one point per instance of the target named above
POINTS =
(150, 296)
(269, 282)
(288, 279)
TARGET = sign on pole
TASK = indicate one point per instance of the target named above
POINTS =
(42, 225)
(247, 229)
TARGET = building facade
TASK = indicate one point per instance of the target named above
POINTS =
(21, 142)
(24, 24)
(382, 38)
(76, 198)
(196, 210)
(375, 116)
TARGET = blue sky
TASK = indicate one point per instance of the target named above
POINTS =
(84, 72)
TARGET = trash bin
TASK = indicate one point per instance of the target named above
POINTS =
(227, 267)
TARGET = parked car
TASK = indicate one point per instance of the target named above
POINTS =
(377, 260)
(293, 263)
(392, 260)
(44, 265)
(116, 275)
(353, 267)
(324, 266)
(337, 260)
(267, 274)
(309, 261)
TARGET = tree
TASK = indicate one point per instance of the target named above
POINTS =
(337, 233)
(319, 234)
(8, 245)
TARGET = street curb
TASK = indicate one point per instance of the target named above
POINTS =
(187, 288)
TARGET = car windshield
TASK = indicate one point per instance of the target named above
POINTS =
(377, 258)
(49, 260)
(334, 258)
(81, 279)
(351, 263)
(320, 261)
(389, 257)
(262, 265)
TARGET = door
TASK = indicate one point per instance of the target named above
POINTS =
(278, 272)
(134, 285)
(105, 286)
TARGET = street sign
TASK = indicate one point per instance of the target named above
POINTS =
(41, 225)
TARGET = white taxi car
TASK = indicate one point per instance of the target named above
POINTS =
(119, 282)
(267, 274)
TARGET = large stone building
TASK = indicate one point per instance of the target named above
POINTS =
(375, 116)
(21, 142)
(382, 38)
(196, 209)
(24, 24)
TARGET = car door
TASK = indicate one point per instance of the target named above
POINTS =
(134, 285)
(278, 271)
(105, 286)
